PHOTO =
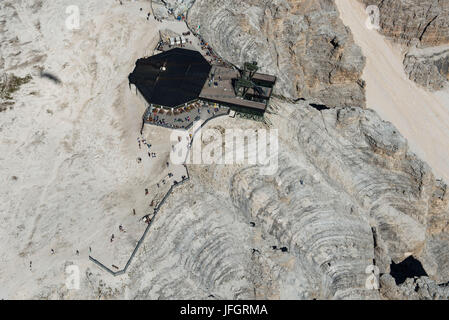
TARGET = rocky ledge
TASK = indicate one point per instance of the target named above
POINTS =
(423, 26)
(304, 43)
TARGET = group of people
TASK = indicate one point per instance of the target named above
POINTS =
(142, 141)
(209, 52)
(148, 14)
(170, 120)
(182, 120)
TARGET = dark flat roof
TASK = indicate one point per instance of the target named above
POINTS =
(185, 73)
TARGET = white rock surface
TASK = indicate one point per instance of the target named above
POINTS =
(347, 193)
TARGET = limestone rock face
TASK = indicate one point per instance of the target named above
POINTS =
(426, 21)
(424, 27)
(346, 200)
(401, 202)
(304, 43)
(413, 289)
(348, 197)
(429, 68)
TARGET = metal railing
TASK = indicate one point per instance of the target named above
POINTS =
(156, 210)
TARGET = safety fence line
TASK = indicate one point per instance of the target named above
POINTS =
(187, 127)
(142, 238)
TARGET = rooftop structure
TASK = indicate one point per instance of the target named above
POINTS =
(229, 87)
(177, 77)
(172, 78)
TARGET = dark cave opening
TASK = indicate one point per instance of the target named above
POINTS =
(409, 268)
(319, 107)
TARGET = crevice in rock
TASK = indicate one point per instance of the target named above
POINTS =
(334, 43)
(319, 107)
(427, 26)
(444, 284)
(409, 268)
(374, 231)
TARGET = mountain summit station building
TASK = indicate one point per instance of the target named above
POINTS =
(178, 77)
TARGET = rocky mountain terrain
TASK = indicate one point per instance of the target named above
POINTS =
(348, 194)
(429, 67)
(348, 198)
(348, 206)
(304, 43)
(408, 21)
(422, 24)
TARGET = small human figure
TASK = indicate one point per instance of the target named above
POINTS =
(112, 237)
(77, 252)
(52, 251)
